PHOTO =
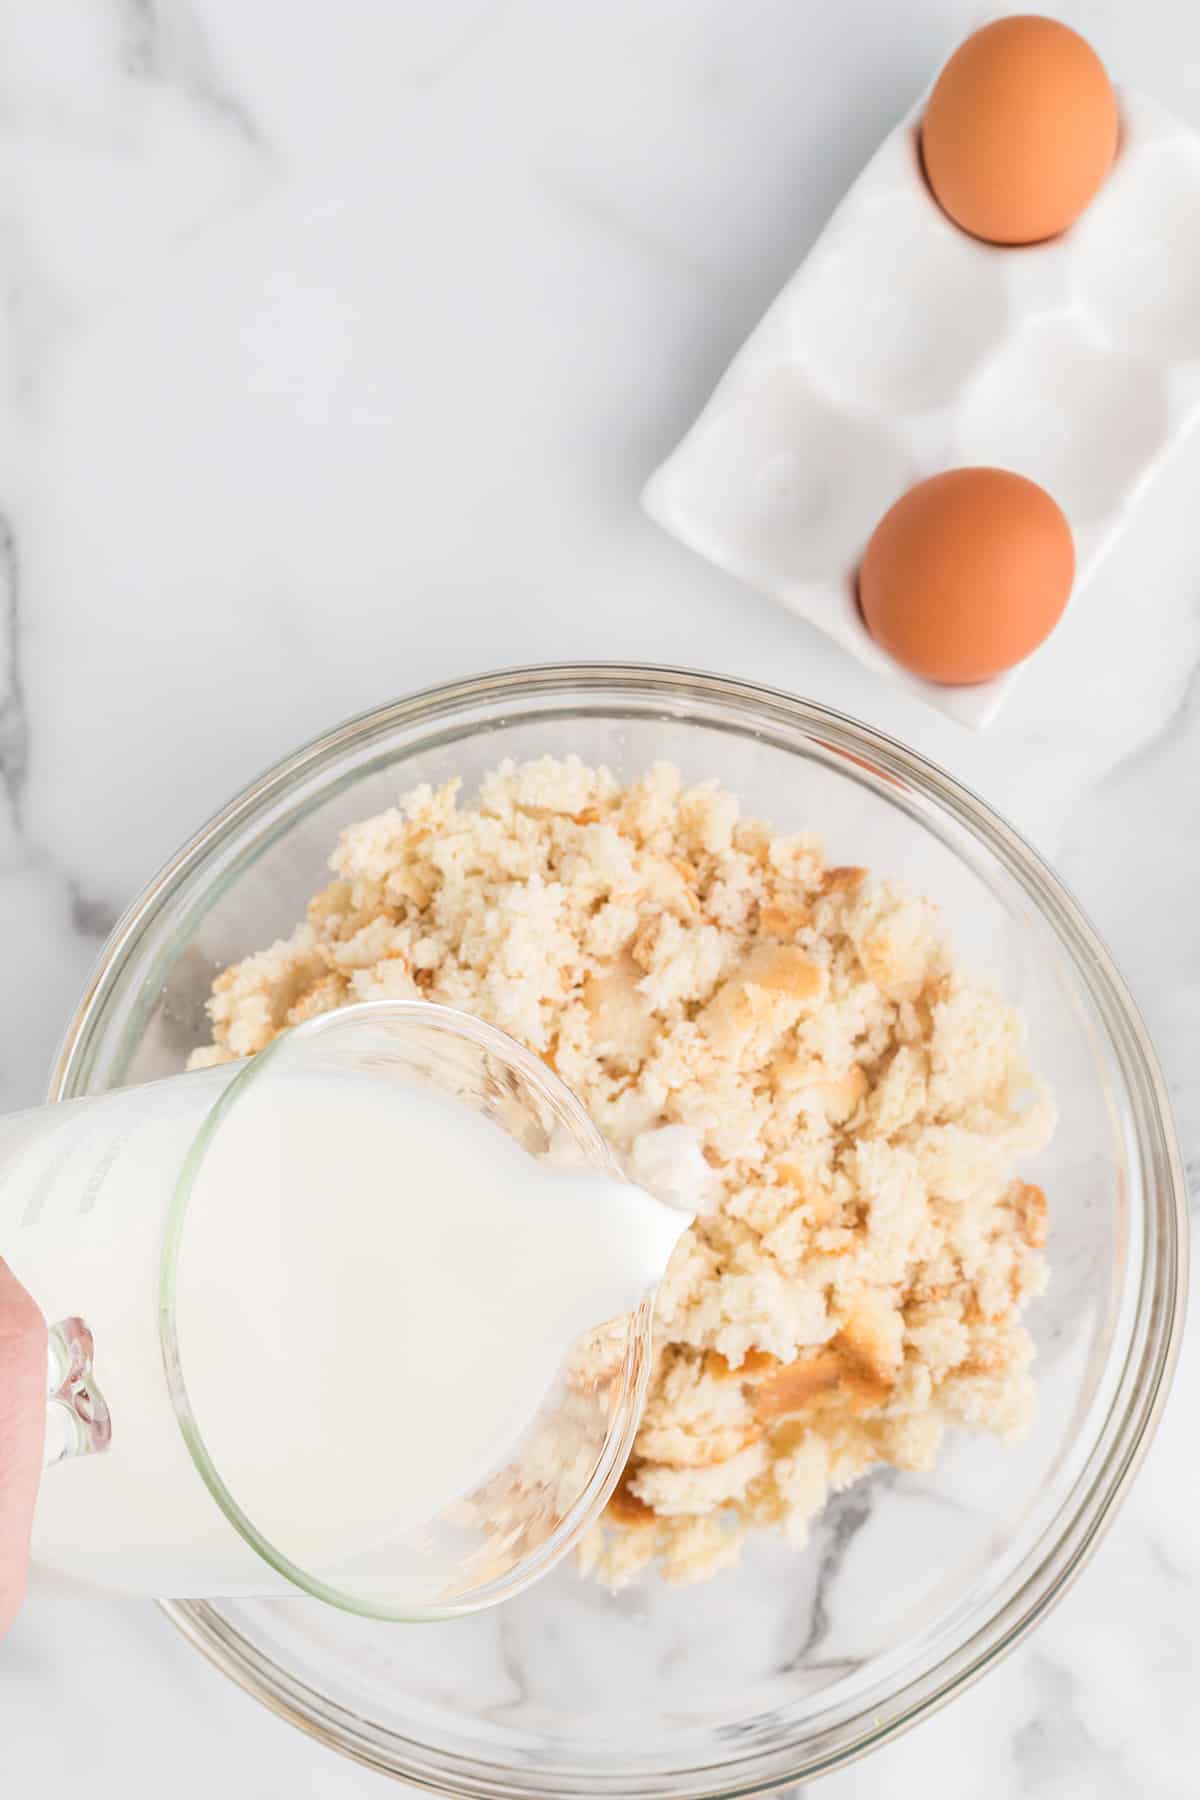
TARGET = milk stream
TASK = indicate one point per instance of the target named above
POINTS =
(376, 1287)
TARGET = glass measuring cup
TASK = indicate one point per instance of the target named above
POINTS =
(95, 1200)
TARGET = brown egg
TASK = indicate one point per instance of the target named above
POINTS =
(1020, 131)
(967, 574)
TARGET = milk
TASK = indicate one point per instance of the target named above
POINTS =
(376, 1286)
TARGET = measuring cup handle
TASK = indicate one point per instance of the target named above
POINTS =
(78, 1422)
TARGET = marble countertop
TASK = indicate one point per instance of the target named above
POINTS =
(335, 343)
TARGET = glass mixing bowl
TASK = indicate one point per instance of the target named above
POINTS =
(797, 1660)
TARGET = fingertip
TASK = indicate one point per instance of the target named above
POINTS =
(21, 1321)
(22, 1433)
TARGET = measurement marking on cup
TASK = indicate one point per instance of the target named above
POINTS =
(96, 1179)
(45, 1185)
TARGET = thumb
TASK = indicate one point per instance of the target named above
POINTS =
(22, 1433)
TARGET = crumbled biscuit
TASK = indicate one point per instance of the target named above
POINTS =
(626, 1509)
(842, 881)
(1029, 1205)
(783, 920)
(855, 1282)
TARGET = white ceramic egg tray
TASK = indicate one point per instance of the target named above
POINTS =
(902, 346)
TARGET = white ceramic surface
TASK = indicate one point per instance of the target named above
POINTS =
(902, 346)
(335, 347)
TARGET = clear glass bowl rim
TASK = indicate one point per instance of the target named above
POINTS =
(1161, 1300)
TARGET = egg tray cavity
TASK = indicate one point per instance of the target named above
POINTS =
(902, 346)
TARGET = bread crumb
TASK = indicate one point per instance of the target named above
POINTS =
(855, 1103)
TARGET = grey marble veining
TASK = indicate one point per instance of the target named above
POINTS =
(335, 344)
(14, 720)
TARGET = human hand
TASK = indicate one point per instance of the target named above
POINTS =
(22, 1433)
